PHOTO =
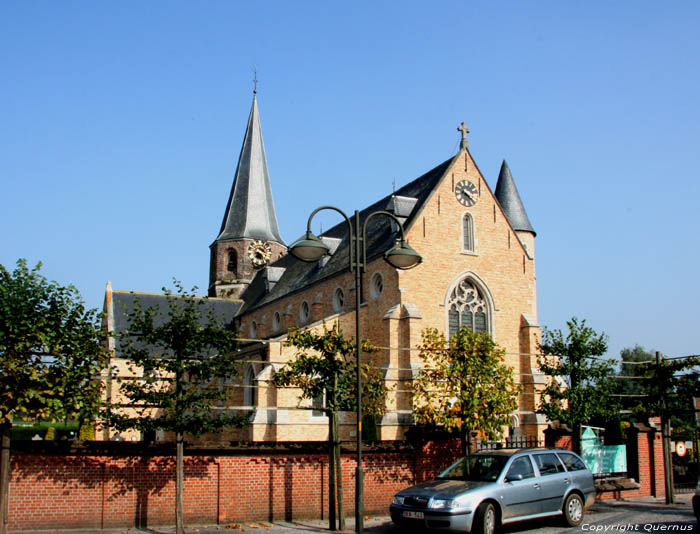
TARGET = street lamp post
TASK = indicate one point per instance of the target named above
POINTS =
(310, 248)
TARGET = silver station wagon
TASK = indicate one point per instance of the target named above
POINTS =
(488, 489)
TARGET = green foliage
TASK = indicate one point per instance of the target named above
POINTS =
(629, 368)
(325, 363)
(50, 434)
(23, 430)
(86, 432)
(581, 386)
(180, 361)
(51, 349)
(464, 383)
(670, 393)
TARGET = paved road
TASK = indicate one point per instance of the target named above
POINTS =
(606, 517)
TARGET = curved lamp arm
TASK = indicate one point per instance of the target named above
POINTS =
(401, 256)
(313, 242)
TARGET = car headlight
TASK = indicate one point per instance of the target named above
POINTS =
(442, 503)
(398, 499)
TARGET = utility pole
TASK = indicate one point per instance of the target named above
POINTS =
(665, 434)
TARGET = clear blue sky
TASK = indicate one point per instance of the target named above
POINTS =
(122, 123)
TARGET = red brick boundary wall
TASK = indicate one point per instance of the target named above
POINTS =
(645, 459)
(98, 485)
(105, 485)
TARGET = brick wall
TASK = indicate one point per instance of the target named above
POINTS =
(125, 484)
(645, 459)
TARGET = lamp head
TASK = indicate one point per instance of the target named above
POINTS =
(402, 256)
(308, 248)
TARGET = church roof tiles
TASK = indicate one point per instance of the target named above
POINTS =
(381, 234)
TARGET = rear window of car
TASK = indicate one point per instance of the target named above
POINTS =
(572, 463)
(548, 464)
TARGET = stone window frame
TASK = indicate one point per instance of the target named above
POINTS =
(376, 285)
(253, 331)
(338, 299)
(484, 293)
(276, 321)
(250, 397)
(304, 311)
(231, 260)
(468, 234)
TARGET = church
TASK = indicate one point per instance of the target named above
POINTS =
(478, 270)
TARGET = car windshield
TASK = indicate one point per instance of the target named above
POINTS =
(478, 468)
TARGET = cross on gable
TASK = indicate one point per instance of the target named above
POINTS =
(463, 128)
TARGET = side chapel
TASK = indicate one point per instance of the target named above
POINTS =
(478, 270)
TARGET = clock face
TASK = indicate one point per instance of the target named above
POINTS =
(259, 253)
(466, 192)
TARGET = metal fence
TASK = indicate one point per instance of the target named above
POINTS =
(509, 443)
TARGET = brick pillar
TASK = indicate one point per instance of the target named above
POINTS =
(657, 457)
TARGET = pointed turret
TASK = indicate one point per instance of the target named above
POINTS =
(249, 238)
(509, 199)
(250, 212)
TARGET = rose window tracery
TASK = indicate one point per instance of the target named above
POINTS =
(467, 307)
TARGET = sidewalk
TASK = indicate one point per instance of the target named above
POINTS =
(373, 525)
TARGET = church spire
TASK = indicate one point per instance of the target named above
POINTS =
(250, 212)
(509, 199)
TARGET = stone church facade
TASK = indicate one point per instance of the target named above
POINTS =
(478, 270)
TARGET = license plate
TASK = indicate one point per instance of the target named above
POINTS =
(412, 515)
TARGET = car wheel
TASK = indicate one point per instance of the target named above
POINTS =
(573, 510)
(486, 519)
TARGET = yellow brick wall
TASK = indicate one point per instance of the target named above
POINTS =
(503, 262)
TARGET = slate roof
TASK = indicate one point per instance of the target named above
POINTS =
(124, 303)
(300, 275)
(507, 195)
(250, 211)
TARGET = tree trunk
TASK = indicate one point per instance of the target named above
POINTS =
(338, 473)
(179, 478)
(331, 472)
(576, 438)
(465, 432)
(5, 430)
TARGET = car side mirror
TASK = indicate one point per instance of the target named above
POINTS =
(514, 477)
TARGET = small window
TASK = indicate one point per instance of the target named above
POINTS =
(376, 286)
(572, 463)
(304, 312)
(521, 466)
(468, 233)
(232, 261)
(276, 321)
(338, 299)
(318, 404)
(249, 387)
(253, 330)
(548, 464)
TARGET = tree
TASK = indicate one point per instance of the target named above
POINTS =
(51, 352)
(631, 379)
(179, 360)
(464, 384)
(324, 367)
(581, 386)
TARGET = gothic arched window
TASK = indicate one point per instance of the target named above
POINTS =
(467, 307)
